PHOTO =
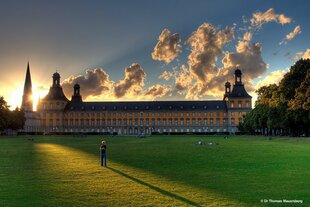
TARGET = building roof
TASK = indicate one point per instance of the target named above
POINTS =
(147, 105)
(239, 92)
(55, 93)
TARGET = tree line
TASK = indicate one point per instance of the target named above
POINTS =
(283, 109)
(13, 120)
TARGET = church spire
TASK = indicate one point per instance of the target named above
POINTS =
(27, 102)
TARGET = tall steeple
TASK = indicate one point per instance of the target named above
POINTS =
(27, 103)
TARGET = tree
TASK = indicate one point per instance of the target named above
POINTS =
(10, 119)
(4, 109)
(285, 107)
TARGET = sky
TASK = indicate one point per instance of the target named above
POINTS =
(148, 50)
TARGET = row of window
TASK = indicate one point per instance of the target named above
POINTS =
(143, 122)
(141, 114)
(247, 104)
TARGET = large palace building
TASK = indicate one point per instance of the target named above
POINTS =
(58, 114)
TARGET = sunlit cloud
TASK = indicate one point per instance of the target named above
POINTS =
(291, 35)
(273, 77)
(260, 18)
(93, 83)
(168, 46)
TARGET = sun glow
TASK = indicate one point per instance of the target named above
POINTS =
(38, 92)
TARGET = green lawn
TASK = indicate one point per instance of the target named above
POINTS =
(153, 171)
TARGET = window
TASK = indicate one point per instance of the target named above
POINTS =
(182, 122)
(170, 122)
(51, 106)
(232, 122)
(141, 122)
(158, 122)
(92, 122)
(44, 106)
(187, 122)
(193, 122)
(239, 104)
(232, 113)
(175, 122)
(231, 104)
(211, 122)
(205, 122)
(224, 122)
(199, 122)
(147, 122)
(164, 122)
(247, 104)
(217, 122)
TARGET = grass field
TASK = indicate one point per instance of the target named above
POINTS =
(153, 171)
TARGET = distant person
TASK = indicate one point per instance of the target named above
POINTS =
(103, 154)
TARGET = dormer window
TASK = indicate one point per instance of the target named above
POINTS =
(217, 106)
(170, 107)
(93, 108)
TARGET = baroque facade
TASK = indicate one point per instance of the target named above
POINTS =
(58, 114)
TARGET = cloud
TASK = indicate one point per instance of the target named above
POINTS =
(259, 18)
(206, 45)
(166, 75)
(272, 78)
(248, 36)
(133, 82)
(157, 91)
(93, 83)
(168, 46)
(303, 55)
(291, 35)
(183, 79)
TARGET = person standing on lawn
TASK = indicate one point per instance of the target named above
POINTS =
(103, 154)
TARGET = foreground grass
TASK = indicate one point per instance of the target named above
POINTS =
(155, 171)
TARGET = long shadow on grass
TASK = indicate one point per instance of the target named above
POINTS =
(164, 192)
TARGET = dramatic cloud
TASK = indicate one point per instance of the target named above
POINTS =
(133, 82)
(248, 57)
(272, 78)
(157, 91)
(166, 75)
(182, 79)
(168, 46)
(206, 45)
(291, 35)
(248, 36)
(93, 83)
(259, 18)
